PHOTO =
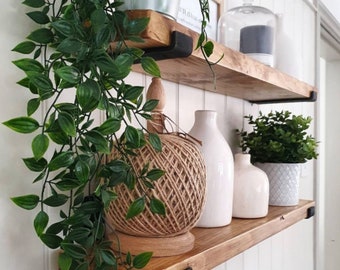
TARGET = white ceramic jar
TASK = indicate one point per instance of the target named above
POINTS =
(251, 189)
(219, 163)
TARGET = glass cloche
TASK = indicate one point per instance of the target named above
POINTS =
(251, 30)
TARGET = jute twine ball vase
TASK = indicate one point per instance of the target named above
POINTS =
(182, 189)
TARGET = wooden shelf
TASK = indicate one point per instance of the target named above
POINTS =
(214, 246)
(237, 75)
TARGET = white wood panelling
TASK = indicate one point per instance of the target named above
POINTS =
(287, 250)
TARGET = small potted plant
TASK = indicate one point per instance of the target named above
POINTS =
(278, 144)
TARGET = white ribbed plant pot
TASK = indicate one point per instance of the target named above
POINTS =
(284, 181)
(251, 189)
(219, 162)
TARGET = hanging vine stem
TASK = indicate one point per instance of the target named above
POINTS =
(204, 44)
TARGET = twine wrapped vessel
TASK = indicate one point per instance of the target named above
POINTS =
(182, 189)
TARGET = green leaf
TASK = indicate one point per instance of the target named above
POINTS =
(107, 197)
(40, 222)
(39, 146)
(56, 200)
(98, 19)
(39, 17)
(141, 260)
(132, 136)
(208, 48)
(32, 106)
(27, 202)
(64, 261)
(63, 27)
(110, 126)
(108, 257)
(136, 208)
(150, 105)
(88, 95)
(155, 142)
(35, 165)
(51, 240)
(73, 250)
(133, 93)
(67, 124)
(34, 3)
(155, 174)
(82, 171)
(42, 35)
(83, 266)
(69, 45)
(27, 64)
(136, 26)
(78, 234)
(63, 159)
(69, 74)
(22, 124)
(55, 228)
(43, 84)
(69, 184)
(157, 207)
(124, 62)
(98, 140)
(25, 47)
(150, 66)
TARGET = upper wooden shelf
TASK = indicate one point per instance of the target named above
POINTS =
(237, 75)
(214, 246)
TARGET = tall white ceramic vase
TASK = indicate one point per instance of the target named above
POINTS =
(219, 163)
(251, 189)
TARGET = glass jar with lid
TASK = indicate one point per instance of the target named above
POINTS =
(251, 30)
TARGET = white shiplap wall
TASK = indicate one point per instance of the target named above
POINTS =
(291, 249)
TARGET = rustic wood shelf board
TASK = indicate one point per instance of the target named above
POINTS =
(237, 75)
(214, 246)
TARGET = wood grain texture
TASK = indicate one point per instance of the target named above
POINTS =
(214, 246)
(237, 75)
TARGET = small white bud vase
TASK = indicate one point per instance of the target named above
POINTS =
(219, 163)
(251, 189)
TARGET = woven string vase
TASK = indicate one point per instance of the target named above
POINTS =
(182, 189)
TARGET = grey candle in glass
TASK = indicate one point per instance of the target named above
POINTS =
(251, 30)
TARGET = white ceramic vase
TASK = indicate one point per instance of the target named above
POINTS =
(251, 189)
(219, 163)
(283, 182)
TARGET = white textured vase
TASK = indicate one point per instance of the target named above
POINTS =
(283, 182)
(251, 189)
(219, 163)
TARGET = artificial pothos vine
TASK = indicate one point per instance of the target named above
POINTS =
(203, 43)
(74, 69)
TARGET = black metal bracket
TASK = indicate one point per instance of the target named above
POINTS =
(181, 46)
(311, 98)
(310, 212)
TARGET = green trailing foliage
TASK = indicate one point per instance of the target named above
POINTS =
(279, 137)
(71, 49)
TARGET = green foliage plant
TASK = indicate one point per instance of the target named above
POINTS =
(70, 55)
(279, 137)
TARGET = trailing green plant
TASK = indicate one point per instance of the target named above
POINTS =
(203, 43)
(279, 137)
(74, 74)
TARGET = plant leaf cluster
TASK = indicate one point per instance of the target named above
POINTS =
(75, 73)
(279, 137)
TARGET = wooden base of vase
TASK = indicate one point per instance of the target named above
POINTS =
(159, 246)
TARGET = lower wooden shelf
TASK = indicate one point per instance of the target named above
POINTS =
(214, 246)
